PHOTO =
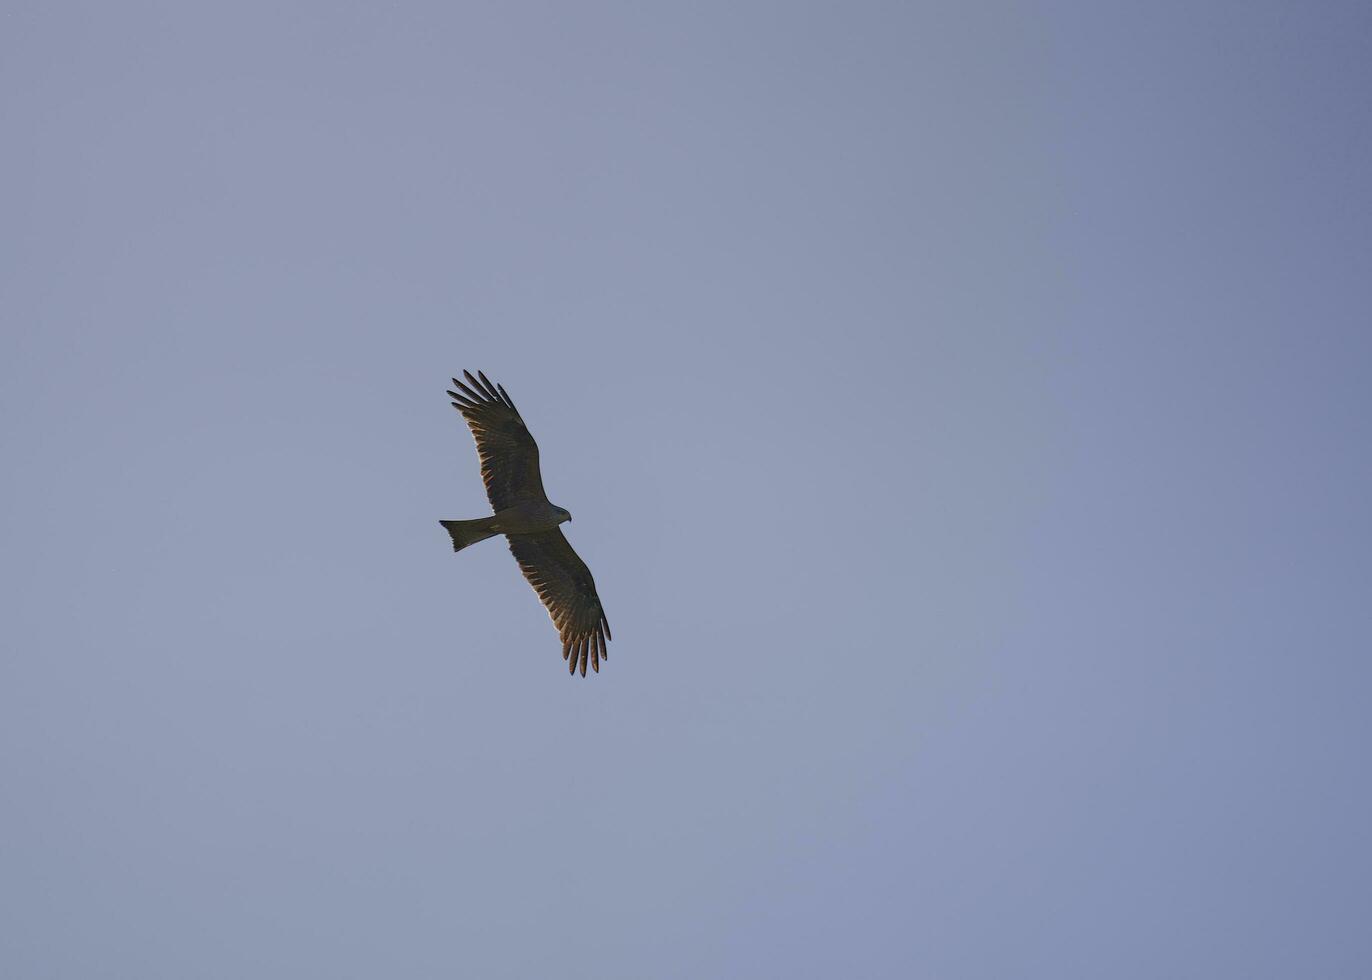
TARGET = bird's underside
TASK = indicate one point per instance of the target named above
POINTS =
(529, 521)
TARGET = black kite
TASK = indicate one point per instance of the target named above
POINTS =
(509, 467)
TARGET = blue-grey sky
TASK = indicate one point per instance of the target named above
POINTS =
(965, 413)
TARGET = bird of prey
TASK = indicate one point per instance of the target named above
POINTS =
(509, 468)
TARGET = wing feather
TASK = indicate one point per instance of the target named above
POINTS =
(509, 455)
(565, 586)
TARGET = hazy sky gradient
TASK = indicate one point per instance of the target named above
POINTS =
(965, 413)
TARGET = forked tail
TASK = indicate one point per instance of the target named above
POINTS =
(469, 532)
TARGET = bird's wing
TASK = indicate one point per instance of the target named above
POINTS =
(564, 583)
(509, 455)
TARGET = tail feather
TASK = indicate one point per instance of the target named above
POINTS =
(469, 532)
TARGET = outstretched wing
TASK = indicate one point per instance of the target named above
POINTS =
(509, 455)
(564, 583)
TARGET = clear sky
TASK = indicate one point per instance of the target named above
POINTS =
(965, 413)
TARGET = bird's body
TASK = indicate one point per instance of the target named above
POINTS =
(529, 521)
(529, 518)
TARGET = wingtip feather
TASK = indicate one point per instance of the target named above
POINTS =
(475, 384)
(486, 383)
(468, 392)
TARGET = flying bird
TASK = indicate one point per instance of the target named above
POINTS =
(509, 468)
